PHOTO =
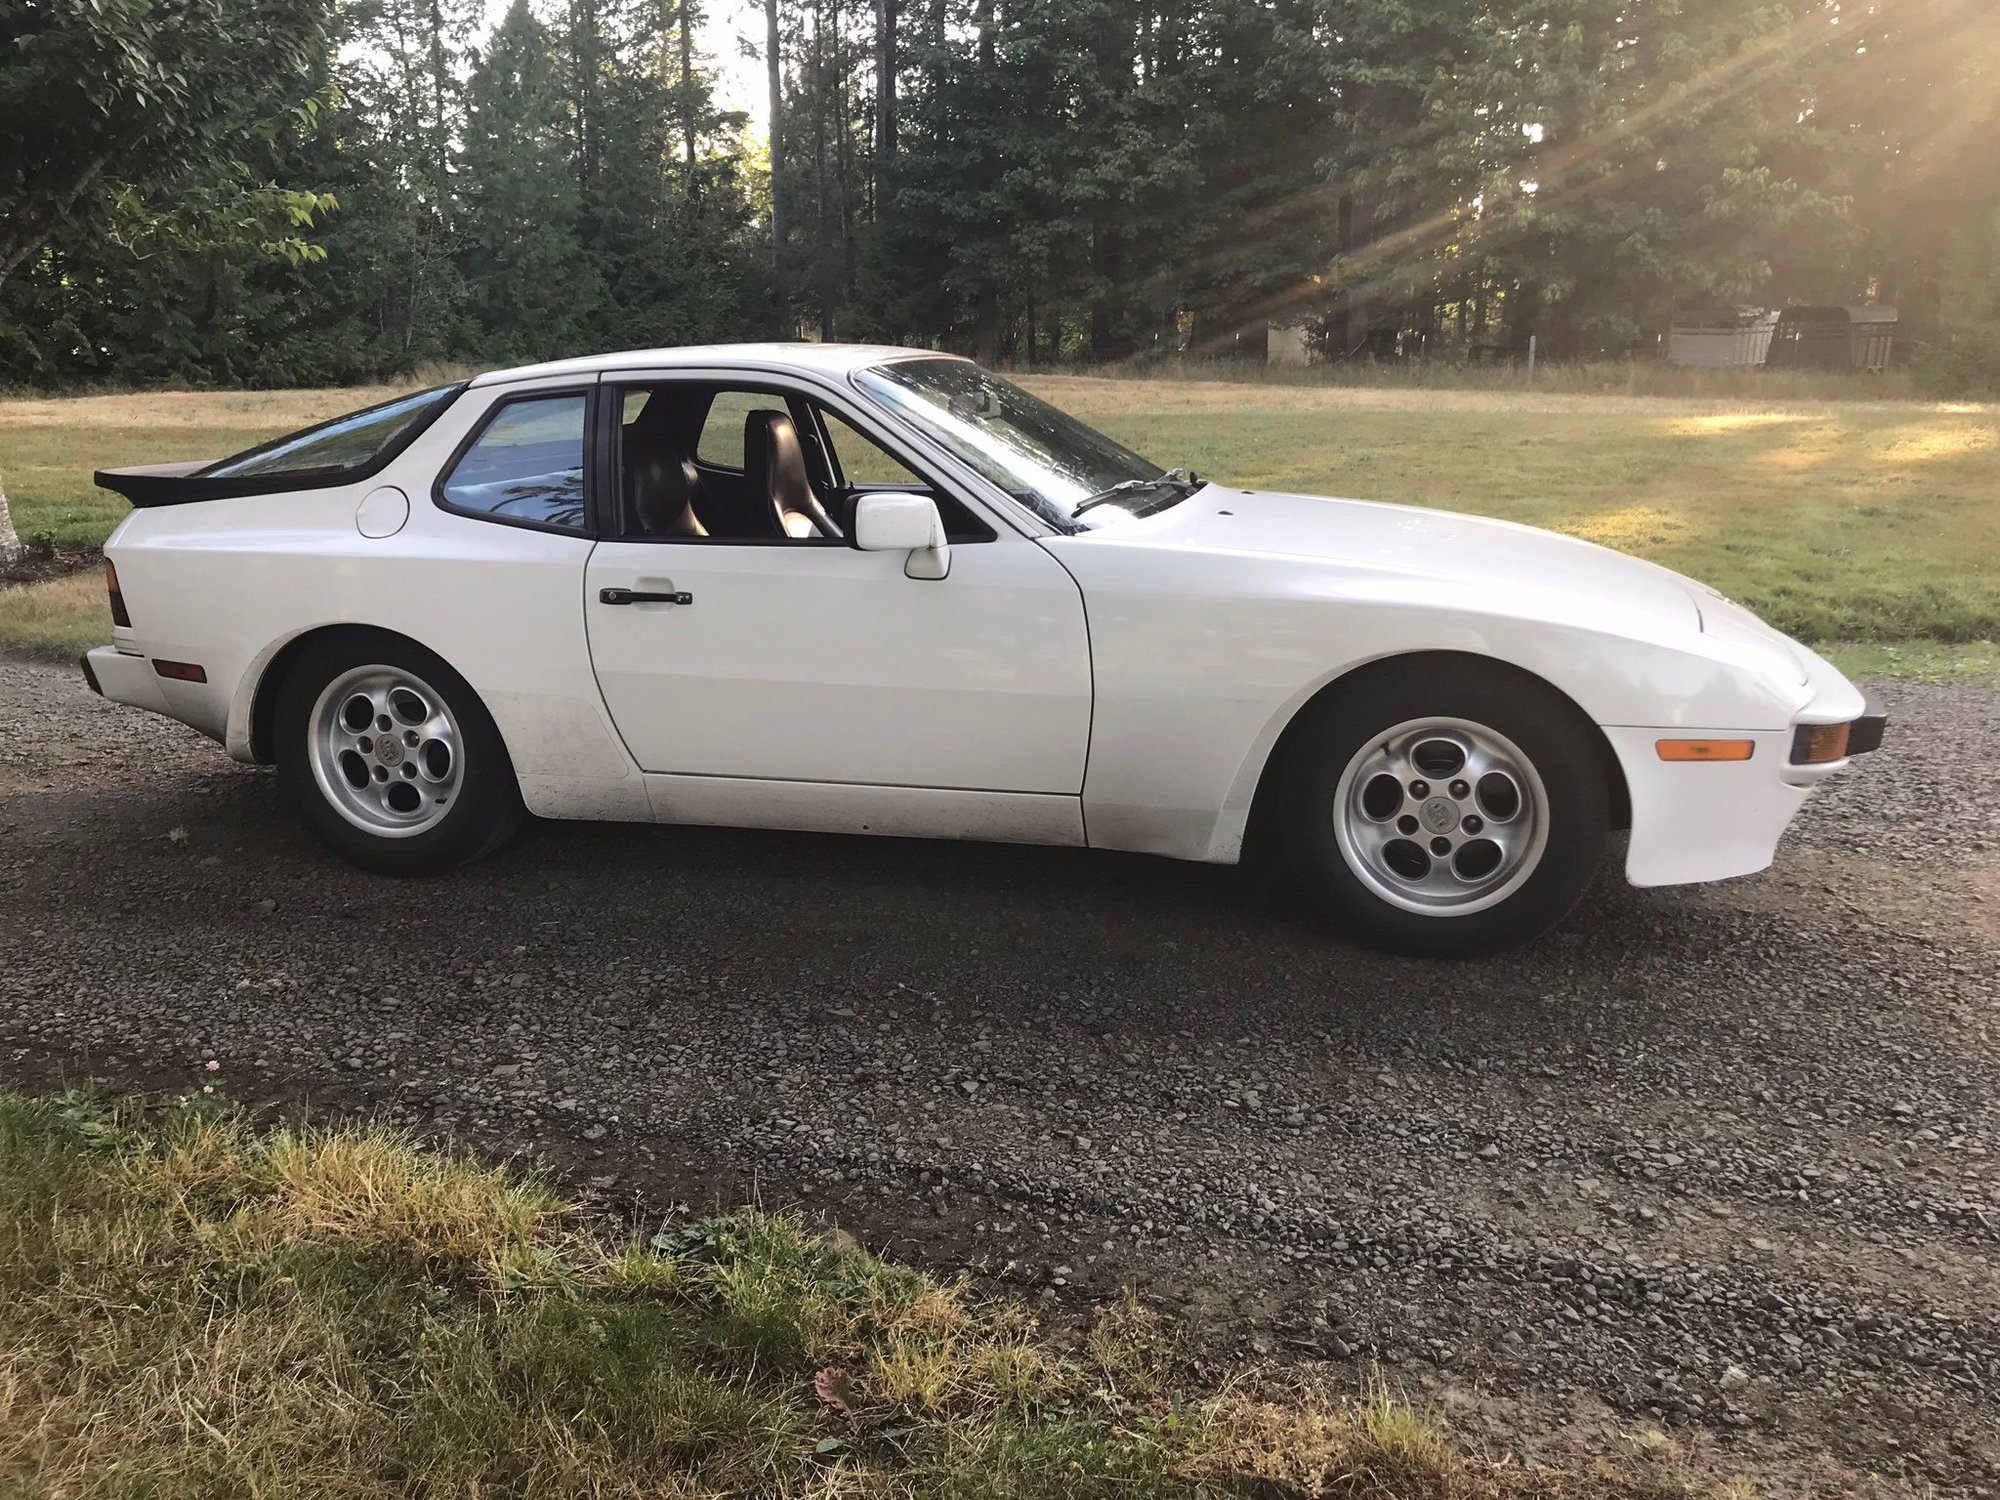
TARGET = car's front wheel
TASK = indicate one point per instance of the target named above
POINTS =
(1445, 808)
(390, 757)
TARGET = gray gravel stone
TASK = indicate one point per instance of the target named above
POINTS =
(1617, 1170)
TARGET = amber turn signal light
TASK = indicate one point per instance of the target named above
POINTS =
(118, 615)
(1816, 744)
(1706, 749)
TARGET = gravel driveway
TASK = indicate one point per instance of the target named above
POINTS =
(1719, 1159)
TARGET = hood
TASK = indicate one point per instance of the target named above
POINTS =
(1726, 620)
(1365, 536)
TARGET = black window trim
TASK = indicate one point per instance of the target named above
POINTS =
(820, 409)
(326, 479)
(588, 530)
(612, 477)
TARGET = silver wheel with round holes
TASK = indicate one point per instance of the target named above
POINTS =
(1441, 816)
(388, 754)
(1443, 805)
(386, 751)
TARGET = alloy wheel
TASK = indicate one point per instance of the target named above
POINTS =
(386, 751)
(1441, 816)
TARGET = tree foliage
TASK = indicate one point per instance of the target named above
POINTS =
(112, 97)
(318, 190)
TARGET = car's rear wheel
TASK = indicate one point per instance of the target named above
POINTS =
(390, 757)
(1445, 808)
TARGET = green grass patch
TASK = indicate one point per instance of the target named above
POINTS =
(1837, 520)
(56, 621)
(190, 1307)
(1920, 661)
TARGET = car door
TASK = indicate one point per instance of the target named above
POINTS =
(806, 661)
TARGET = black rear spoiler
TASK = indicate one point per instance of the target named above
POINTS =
(147, 485)
(177, 484)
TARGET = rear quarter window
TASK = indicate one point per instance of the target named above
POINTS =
(526, 464)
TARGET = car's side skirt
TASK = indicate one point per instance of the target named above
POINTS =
(895, 811)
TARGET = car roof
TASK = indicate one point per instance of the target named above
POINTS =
(826, 359)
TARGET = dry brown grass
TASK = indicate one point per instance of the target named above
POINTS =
(1738, 410)
(1631, 377)
(49, 448)
(203, 412)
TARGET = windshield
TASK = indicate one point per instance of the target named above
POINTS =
(1044, 458)
(348, 443)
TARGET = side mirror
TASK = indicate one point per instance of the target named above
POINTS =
(902, 523)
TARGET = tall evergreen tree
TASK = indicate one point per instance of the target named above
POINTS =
(531, 285)
(402, 72)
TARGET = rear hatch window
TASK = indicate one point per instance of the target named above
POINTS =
(352, 444)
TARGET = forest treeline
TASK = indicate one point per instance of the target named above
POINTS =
(260, 192)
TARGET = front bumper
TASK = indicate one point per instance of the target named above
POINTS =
(1697, 821)
(1866, 733)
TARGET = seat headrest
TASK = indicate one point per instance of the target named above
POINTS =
(664, 488)
(772, 458)
(774, 470)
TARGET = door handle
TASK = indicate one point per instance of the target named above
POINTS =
(640, 596)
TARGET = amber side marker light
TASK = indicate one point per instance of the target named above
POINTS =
(1706, 749)
(118, 615)
(1816, 744)
(180, 671)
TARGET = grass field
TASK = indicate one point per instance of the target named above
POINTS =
(1839, 521)
(192, 1308)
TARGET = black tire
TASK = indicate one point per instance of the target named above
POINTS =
(485, 809)
(1557, 740)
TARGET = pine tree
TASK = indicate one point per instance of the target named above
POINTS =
(530, 283)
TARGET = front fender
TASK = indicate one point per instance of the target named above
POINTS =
(1201, 660)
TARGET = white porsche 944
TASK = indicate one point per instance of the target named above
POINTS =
(871, 590)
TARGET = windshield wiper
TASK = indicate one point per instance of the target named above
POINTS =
(1183, 482)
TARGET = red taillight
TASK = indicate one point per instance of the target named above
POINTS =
(180, 671)
(118, 615)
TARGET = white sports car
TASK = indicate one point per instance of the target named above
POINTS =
(871, 590)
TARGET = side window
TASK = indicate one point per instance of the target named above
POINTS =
(526, 464)
(720, 445)
(860, 462)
